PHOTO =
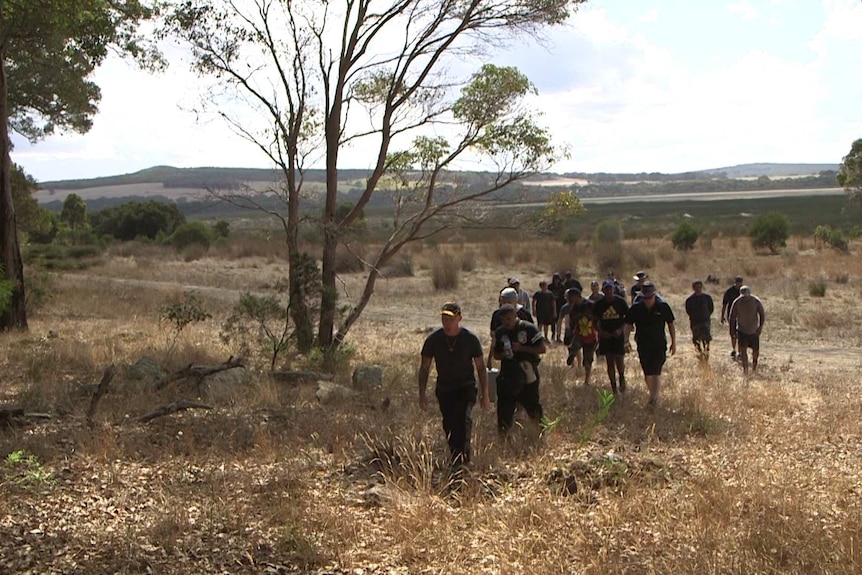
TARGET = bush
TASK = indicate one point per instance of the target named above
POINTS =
(609, 257)
(842, 278)
(445, 273)
(817, 288)
(640, 258)
(831, 237)
(685, 236)
(191, 233)
(468, 261)
(609, 231)
(348, 261)
(770, 230)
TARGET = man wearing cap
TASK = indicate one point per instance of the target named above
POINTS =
(699, 307)
(648, 317)
(639, 278)
(507, 296)
(518, 345)
(746, 322)
(730, 296)
(457, 355)
(610, 313)
(523, 296)
(584, 334)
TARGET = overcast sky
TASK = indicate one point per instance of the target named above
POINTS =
(629, 86)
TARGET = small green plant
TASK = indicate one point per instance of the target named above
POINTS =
(548, 425)
(28, 469)
(817, 288)
(180, 315)
(604, 400)
(258, 321)
(685, 236)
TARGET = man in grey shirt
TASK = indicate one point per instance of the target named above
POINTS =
(746, 322)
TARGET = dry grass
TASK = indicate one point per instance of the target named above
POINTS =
(728, 475)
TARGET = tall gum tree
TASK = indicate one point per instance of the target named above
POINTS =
(48, 50)
(302, 80)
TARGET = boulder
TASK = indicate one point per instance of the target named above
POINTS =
(146, 370)
(368, 378)
(225, 386)
(327, 392)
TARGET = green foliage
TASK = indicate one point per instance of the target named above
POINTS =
(832, 237)
(817, 288)
(258, 323)
(850, 174)
(604, 400)
(609, 231)
(221, 229)
(685, 236)
(39, 289)
(7, 287)
(138, 220)
(39, 224)
(560, 208)
(770, 230)
(333, 359)
(492, 94)
(27, 469)
(178, 316)
(191, 233)
(74, 212)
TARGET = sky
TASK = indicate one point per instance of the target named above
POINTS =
(626, 86)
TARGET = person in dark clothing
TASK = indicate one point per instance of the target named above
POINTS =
(649, 316)
(730, 296)
(518, 345)
(571, 282)
(507, 296)
(544, 308)
(558, 288)
(610, 313)
(457, 355)
(639, 278)
(595, 291)
(699, 307)
(584, 334)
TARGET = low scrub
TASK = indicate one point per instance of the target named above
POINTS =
(445, 273)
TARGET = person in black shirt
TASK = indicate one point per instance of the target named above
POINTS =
(730, 296)
(572, 282)
(610, 313)
(518, 345)
(699, 307)
(507, 296)
(650, 316)
(558, 288)
(639, 278)
(544, 308)
(457, 355)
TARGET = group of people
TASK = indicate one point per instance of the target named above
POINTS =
(599, 323)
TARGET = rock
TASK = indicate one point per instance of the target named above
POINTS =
(146, 370)
(368, 377)
(297, 377)
(377, 496)
(225, 386)
(327, 392)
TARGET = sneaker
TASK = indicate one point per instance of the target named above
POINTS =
(570, 360)
(733, 354)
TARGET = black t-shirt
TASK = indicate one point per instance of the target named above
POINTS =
(610, 314)
(636, 289)
(699, 307)
(729, 297)
(573, 283)
(650, 323)
(559, 291)
(453, 357)
(524, 333)
(545, 303)
(522, 314)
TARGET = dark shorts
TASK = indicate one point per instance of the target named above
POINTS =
(612, 346)
(748, 340)
(545, 319)
(652, 360)
(701, 332)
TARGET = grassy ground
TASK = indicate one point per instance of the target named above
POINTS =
(728, 475)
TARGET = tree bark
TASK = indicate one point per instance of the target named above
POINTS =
(15, 317)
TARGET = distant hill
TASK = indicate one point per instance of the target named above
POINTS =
(771, 170)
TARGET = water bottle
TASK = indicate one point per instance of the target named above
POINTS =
(507, 347)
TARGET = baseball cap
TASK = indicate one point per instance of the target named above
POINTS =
(648, 289)
(640, 276)
(513, 281)
(509, 294)
(450, 309)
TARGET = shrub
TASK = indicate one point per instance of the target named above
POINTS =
(842, 278)
(399, 268)
(640, 258)
(609, 231)
(468, 261)
(348, 260)
(609, 256)
(817, 288)
(770, 230)
(191, 233)
(445, 273)
(685, 236)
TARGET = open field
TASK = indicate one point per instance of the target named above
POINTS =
(727, 475)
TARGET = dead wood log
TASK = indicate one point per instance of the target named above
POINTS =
(15, 415)
(100, 392)
(170, 408)
(198, 371)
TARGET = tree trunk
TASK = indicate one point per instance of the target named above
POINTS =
(15, 317)
(329, 293)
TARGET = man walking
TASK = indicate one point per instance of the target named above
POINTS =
(610, 313)
(507, 296)
(457, 355)
(699, 307)
(584, 334)
(544, 308)
(518, 345)
(746, 322)
(639, 278)
(730, 296)
(649, 316)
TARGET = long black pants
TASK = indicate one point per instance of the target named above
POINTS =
(456, 406)
(510, 395)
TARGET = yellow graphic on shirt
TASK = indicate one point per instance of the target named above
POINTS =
(585, 326)
(610, 313)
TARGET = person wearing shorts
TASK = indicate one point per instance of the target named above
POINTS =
(544, 308)
(610, 313)
(584, 334)
(727, 300)
(649, 317)
(747, 316)
(699, 307)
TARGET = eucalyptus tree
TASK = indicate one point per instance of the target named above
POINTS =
(48, 50)
(399, 79)
(850, 172)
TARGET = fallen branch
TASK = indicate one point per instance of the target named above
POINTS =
(15, 415)
(170, 408)
(100, 392)
(198, 371)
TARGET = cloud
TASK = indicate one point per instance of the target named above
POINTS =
(744, 8)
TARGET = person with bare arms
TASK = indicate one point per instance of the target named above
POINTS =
(730, 296)
(699, 307)
(747, 316)
(610, 312)
(544, 308)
